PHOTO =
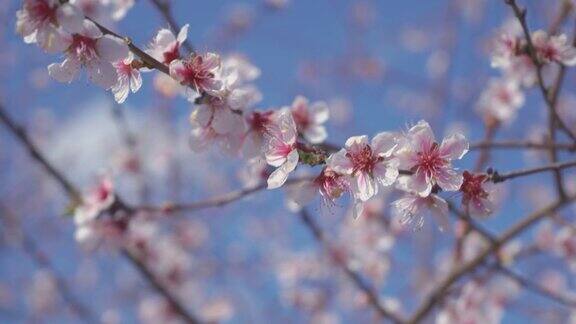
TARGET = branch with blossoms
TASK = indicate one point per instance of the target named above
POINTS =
(416, 165)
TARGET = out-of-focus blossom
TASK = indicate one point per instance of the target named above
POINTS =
(430, 162)
(277, 4)
(165, 47)
(129, 79)
(198, 72)
(331, 185)
(281, 151)
(93, 205)
(96, 52)
(477, 194)
(369, 164)
(119, 7)
(553, 48)
(501, 100)
(479, 303)
(259, 122)
(310, 119)
(38, 22)
(412, 209)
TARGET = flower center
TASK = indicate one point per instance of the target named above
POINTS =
(363, 160)
(430, 161)
(195, 74)
(83, 48)
(42, 13)
(172, 54)
(259, 121)
(472, 187)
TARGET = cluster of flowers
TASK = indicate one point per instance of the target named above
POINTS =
(511, 56)
(224, 96)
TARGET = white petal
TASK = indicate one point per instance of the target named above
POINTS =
(135, 81)
(65, 71)
(454, 147)
(319, 112)
(89, 29)
(102, 73)
(277, 178)
(183, 34)
(70, 18)
(111, 48)
(315, 134)
(365, 186)
(449, 180)
(384, 143)
(340, 163)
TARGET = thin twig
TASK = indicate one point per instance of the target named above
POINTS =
(353, 275)
(496, 177)
(218, 201)
(438, 292)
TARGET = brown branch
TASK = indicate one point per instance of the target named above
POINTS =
(522, 281)
(550, 97)
(20, 133)
(529, 145)
(353, 275)
(496, 177)
(438, 292)
(218, 201)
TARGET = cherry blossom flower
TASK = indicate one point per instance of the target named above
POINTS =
(553, 48)
(259, 122)
(198, 72)
(331, 185)
(38, 22)
(90, 49)
(501, 100)
(412, 208)
(237, 93)
(216, 114)
(478, 194)
(281, 151)
(429, 161)
(309, 119)
(165, 47)
(369, 164)
(129, 79)
(93, 205)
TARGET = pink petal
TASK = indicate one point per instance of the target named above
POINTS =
(454, 147)
(111, 48)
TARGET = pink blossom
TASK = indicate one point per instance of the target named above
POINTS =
(412, 209)
(477, 194)
(38, 22)
(259, 122)
(237, 92)
(331, 185)
(368, 164)
(90, 49)
(216, 114)
(281, 151)
(198, 72)
(129, 79)
(165, 47)
(98, 201)
(309, 119)
(429, 161)
(501, 100)
(553, 48)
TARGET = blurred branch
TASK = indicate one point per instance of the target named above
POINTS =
(519, 279)
(353, 275)
(438, 292)
(529, 145)
(550, 95)
(496, 177)
(163, 7)
(41, 260)
(20, 133)
(218, 201)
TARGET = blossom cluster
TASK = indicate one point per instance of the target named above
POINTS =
(511, 55)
